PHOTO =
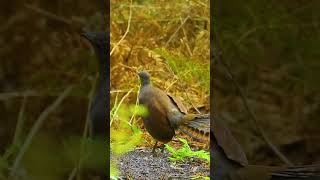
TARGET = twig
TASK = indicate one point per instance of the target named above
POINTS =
(135, 111)
(20, 121)
(127, 30)
(28, 93)
(178, 79)
(129, 54)
(73, 173)
(128, 67)
(6, 96)
(174, 34)
(91, 98)
(117, 108)
(186, 42)
(43, 116)
(17, 132)
(164, 21)
(171, 84)
(118, 91)
(71, 23)
(77, 169)
(194, 107)
(48, 14)
(201, 3)
(251, 113)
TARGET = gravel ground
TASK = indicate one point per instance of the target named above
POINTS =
(141, 164)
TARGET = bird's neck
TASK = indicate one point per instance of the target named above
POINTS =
(103, 72)
(103, 62)
(145, 83)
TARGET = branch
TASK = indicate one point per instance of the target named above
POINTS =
(251, 113)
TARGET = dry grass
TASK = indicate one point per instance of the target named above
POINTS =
(170, 39)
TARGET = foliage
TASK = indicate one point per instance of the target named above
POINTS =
(186, 152)
(188, 70)
(124, 135)
(114, 172)
(201, 177)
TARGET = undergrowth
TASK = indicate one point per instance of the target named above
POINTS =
(189, 70)
(125, 136)
(186, 152)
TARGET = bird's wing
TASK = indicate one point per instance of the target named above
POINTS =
(177, 102)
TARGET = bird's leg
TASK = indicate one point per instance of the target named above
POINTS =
(154, 147)
(162, 148)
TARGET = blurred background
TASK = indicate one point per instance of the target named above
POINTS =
(271, 48)
(41, 55)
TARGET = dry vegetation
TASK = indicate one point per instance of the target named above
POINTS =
(168, 39)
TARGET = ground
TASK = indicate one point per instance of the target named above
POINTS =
(141, 164)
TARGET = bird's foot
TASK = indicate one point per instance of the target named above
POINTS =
(154, 155)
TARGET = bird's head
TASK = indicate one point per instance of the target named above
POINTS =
(100, 44)
(97, 39)
(144, 77)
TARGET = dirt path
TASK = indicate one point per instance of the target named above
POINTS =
(140, 164)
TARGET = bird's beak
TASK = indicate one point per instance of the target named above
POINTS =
(87, 35)
(84, 34)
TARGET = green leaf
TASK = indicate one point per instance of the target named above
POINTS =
(186, 152)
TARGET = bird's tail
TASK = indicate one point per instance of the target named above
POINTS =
(305, 172)
(196, 126)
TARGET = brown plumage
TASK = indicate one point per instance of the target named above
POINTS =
(165, 114)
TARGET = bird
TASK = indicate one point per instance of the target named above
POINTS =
(229, 161)
(99, 145)
(100, 105)
(165, 114)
